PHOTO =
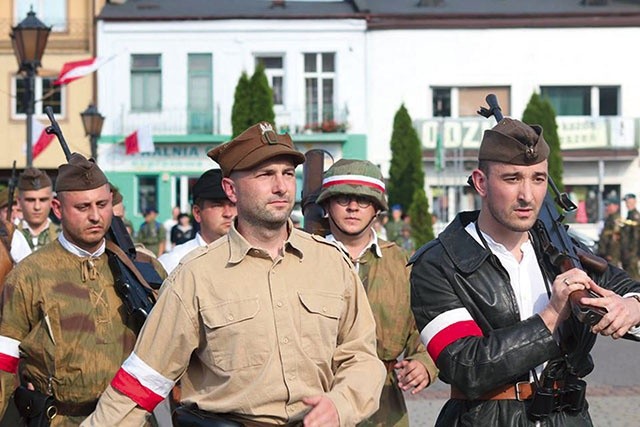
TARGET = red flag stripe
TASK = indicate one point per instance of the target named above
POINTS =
(446, 328)
(131, 143)
(76, 69)
(8, 363)
(127, 384)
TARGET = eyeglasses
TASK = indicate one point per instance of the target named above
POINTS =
(345, 200)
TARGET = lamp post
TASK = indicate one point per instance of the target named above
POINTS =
(28, 39)
(92, 121)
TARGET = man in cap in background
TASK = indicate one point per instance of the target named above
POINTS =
(609, 246)
(151, 233)
(630, 237)
(493, 311)
(63, 328)
(268, 325)
(212, 209)
(15, 243)
(353, 196)
(394, 224)
(35, 196)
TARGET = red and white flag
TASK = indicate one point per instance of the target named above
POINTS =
(140, 141)
(41, 137)
(74, 70)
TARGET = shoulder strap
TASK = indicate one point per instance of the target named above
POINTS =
(115, 249)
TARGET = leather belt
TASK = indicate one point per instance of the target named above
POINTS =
(520, 391)
(76, 409)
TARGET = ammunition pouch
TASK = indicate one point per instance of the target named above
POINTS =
(37, 409)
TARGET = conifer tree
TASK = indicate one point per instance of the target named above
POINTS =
(261, 97)
(241, 110)
(405, 173)
(539, 111)
(421, 221)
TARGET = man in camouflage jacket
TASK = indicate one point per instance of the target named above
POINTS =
(63, 328)
(352, 196)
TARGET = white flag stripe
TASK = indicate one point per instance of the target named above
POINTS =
(148, 377)
(9, 346)
(145, 139)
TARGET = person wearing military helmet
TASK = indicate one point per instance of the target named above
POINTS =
(267, 325)
(64, 330)
(495, 316)
(353, 196)
(35, 194)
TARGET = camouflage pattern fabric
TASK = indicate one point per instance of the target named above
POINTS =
(151, 235)
(46, 236)
(394, 231)
(609, 242)
(629, 243)
(386, 281)
(73, 329)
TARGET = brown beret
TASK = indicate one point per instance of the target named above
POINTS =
(33, 179)
(79, 174)
(252, 147)
(514, 142)
(117, 196)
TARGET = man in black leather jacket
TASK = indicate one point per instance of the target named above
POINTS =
(493, 316)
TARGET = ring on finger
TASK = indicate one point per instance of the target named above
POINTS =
(566, 282)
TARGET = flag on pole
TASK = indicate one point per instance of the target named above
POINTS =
(41, 137)
(140, 141)
(74, 70)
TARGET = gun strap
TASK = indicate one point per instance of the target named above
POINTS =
(115, 249)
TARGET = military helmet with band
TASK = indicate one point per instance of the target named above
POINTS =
(354, 177)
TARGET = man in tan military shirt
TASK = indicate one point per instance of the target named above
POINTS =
(267, 326)
(34, 197)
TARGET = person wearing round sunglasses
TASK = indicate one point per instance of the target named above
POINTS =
(353, 195)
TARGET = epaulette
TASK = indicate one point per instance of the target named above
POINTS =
(422, 250)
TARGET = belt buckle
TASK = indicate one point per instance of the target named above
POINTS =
(517, 386)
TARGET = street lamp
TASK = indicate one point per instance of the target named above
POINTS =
(28, 39)
(92, 121)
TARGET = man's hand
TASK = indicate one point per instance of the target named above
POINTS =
(559, 308)
(412, 374)
(323, 412)
(622, 313)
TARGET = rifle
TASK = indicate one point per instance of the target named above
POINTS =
(554, 240)
(135, 281)
(312, 173)
(13, 182)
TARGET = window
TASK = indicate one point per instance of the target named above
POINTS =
(146, 83)
(466, 101)
(608, 101)
(45, 94)
(200, 93)
(568, 100)
(51, 12)
(319, 74)
(274, 69)
(147, 193)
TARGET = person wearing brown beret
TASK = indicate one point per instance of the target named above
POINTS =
(268, 325)
(64, 329)
(494, 315)
(35, 193)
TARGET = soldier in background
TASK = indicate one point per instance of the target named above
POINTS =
(15, 243)
(609, 242)
(353, 195)
(630, 237)
(64, 329)
(151, 233)
(35, 196)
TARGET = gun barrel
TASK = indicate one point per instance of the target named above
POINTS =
(55, 129)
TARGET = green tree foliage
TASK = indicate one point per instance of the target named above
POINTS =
(421, 221)
(261, 97)
(241, 110)
(539, 111)
(405, 173)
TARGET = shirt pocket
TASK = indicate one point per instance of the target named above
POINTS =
(232, 337)
(319, 320)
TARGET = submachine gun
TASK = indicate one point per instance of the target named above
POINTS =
(136, 281)
(315, 221)
(554, 240)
